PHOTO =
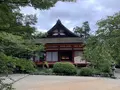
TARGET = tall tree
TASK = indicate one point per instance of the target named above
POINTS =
(86, 29)
(78, 30)
(15, 23)
(83, 31)
(103, 48)
(15, 29)
(40, 35)
(109, 31)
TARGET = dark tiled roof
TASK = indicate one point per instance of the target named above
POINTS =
(60, 26)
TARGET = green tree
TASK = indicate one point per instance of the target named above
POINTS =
(109, 30)
(40, 35)
(103, 48)
(97, 53)
(15, 24)
(78, 30)
(86, 29)
(83, 31)
(16, 34)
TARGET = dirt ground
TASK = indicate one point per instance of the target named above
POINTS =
(40, 82)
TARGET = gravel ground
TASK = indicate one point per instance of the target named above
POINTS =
(41, 82)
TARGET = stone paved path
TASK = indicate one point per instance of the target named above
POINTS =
(39, 82)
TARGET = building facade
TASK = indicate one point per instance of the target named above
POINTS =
(62, 45)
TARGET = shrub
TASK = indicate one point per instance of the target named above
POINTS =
(25, 65)
(96, 72)
(6, 63)
(85, 71)
(42, 71)
(64, 68)
(88, 71)
(106, 69)
(9, 64)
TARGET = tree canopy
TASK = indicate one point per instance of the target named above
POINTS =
(83, 31)
(103, 48)
(16, 34)
(16, 28)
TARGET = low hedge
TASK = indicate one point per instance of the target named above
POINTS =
(64, 68)
(85, 71)
(43, 71)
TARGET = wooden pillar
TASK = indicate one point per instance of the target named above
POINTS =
(45, 53)
(72, 54)
(58, 56)
(59, 53)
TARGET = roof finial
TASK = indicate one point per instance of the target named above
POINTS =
(58, 21)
